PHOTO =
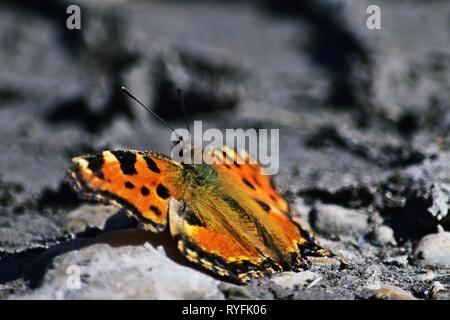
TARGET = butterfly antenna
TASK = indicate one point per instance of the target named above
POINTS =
(183, 107)
(128, 93)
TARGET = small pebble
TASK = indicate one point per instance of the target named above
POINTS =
(235, 291)
(392, 293)
(434, 250)
(399, 261)
(427, 275)
(292, 280)
(324, 263)
(88, 216)
(439, 291)
(383, 235)
(332, 220)
(436, 287)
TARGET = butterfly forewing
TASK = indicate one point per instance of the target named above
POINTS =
(140, 182)
(246, 174)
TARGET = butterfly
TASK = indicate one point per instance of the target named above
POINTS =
(226, 216)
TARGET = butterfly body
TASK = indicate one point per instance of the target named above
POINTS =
(225, 216)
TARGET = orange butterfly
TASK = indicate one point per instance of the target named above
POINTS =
(236, 225)
(226, 217)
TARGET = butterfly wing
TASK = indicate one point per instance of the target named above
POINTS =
(246, 175)
(138, 181)
(205, 240)
(256, 194)
(242, 229)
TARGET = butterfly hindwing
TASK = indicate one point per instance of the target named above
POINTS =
(138, 181)
(214, 247)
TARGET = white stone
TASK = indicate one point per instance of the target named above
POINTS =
(383, 235)
(334, 220)
(124, 273)
(292, 280)
(434, 250)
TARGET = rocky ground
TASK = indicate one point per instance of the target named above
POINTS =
(364, 119)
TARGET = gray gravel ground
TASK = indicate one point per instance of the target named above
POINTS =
(364, 119)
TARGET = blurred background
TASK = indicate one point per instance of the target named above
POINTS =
(363, 114)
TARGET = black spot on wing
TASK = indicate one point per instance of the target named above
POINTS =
(95, 164)
(127, 161)
(162, 191)
(151, 164)
(192, 219)
(248, 183)
(155, 210)
(145, 191)
(226, 158)
(129, 185)
(263, 205)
